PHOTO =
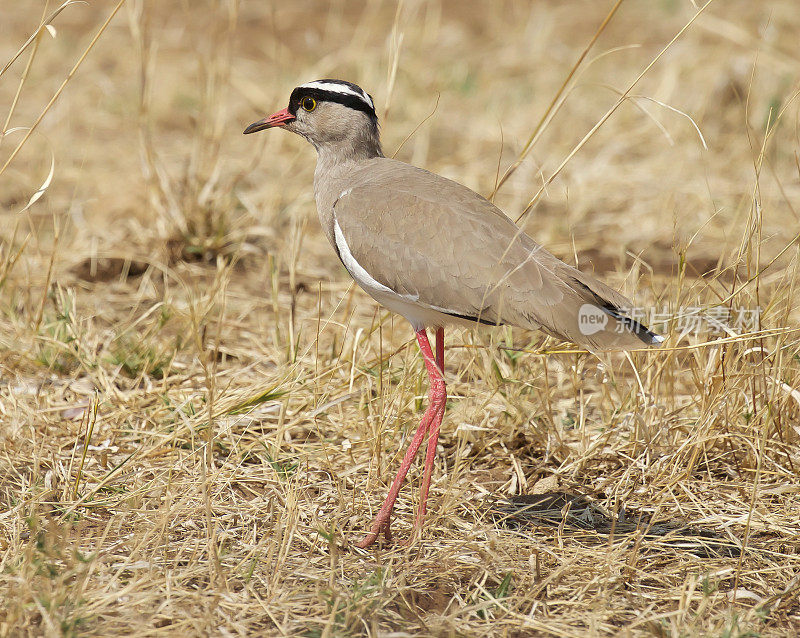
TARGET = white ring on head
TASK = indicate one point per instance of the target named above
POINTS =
(335, 87)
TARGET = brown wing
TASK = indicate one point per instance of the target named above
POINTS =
(428, 237)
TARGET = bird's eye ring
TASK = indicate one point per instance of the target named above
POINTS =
(308, 104)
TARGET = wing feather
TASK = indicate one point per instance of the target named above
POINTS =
(427, 237)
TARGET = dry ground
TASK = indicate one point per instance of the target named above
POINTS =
(199, 412)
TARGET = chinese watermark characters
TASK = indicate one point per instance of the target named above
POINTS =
(685, 319)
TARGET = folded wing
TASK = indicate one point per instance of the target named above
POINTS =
(440, 244)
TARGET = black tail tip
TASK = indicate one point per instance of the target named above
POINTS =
(640, 330)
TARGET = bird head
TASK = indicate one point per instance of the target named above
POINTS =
(328, 113)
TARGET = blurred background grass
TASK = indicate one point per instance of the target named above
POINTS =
(198, 406)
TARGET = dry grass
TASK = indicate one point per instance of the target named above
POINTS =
(200, 412)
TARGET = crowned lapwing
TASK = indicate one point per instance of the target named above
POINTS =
(437, 253)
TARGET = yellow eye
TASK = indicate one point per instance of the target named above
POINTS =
(309, 103)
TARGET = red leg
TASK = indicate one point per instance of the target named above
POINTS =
(433, 416)
(439, 399)
(440, 349)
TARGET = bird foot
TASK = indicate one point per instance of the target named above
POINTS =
(377, 527)
(385, 528)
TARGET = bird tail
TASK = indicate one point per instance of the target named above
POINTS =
(597, 317)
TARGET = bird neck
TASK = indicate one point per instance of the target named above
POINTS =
(354, 148)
